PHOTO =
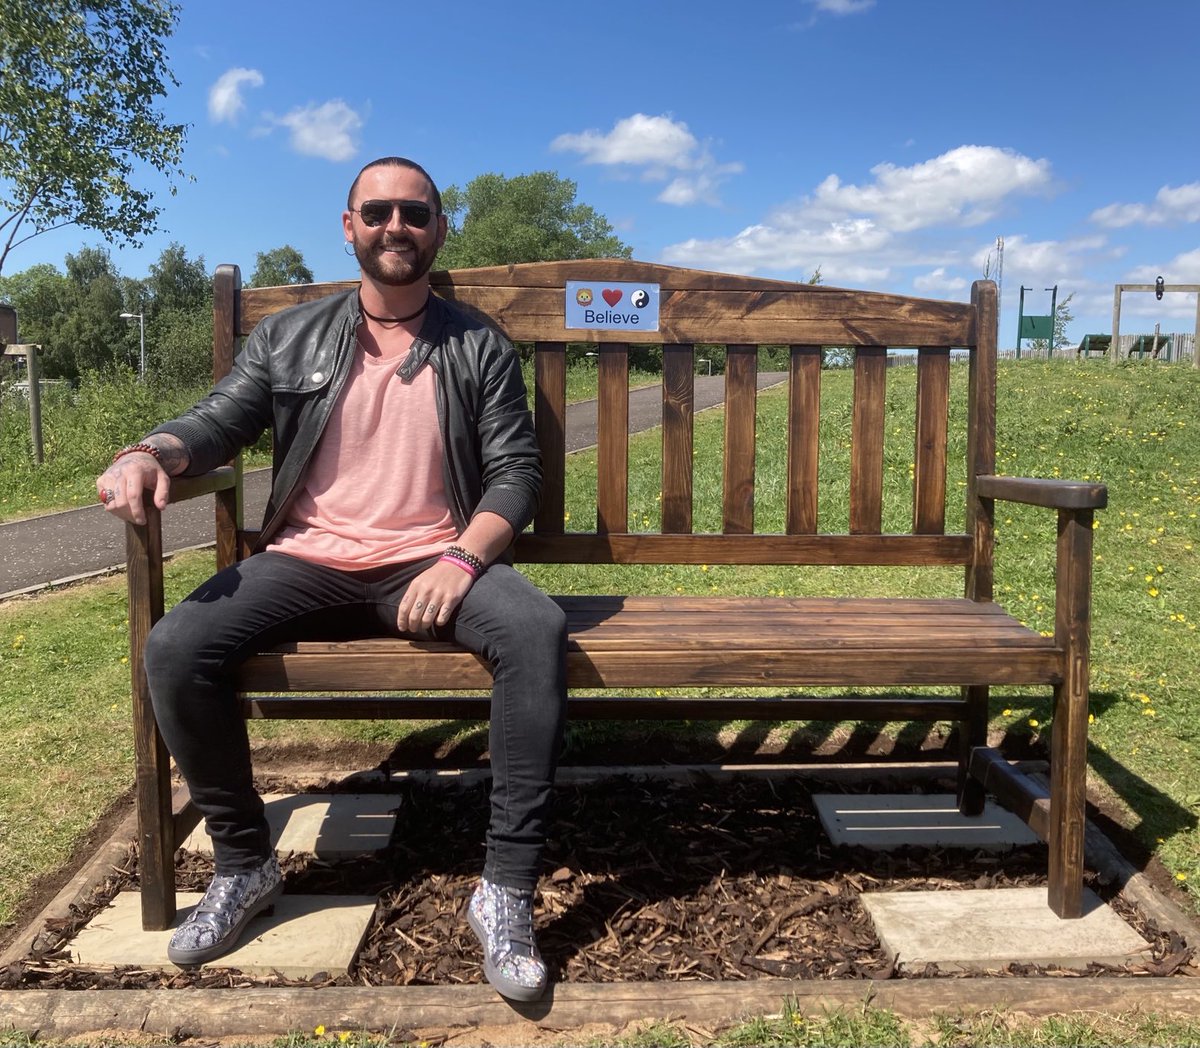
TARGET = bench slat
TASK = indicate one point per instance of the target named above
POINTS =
(866, 451)
(474, 707)
(864, 666)
(946, 550)
(612, 430)
(679, 396)
(550, 426)
(741, 381)
(929, 459)
(803, 438)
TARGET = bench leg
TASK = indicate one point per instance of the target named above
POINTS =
(156, 827)
(973, 732)
(1068, 801)
(1068, 740)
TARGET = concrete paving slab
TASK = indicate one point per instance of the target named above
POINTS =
(932, 820)
(994, 927)
(328, 825)
(307, 934)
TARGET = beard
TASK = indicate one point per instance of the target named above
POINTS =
(381, 265)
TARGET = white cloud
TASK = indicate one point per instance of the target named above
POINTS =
(1046, 259)
(843, 7)
(962, 187)
(869, 222)
(937, 280)
(225, 96)
(663, 148)
(657, 141)
(1172, 204)
(775, 247)
(328, 130)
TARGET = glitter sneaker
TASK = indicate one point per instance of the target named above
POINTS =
(502, 918)
(218, 919)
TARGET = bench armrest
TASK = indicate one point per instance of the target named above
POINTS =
(1053, 494)
(220, 479)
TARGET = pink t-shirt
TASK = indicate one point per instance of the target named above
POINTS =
(374, 494)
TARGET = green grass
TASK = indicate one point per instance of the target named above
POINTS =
(65, 748)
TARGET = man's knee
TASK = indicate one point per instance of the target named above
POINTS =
(171, 650)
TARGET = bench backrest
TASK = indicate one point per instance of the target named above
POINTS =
(697, 308)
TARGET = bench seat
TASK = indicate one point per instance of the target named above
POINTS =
(696, 642)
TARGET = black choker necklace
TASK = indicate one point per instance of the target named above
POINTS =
(392, 320)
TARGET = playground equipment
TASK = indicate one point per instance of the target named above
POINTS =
(1159, 287)
(1036, 327)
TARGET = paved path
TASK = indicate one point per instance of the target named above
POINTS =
(63, 547)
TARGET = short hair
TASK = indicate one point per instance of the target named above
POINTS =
(396, 161)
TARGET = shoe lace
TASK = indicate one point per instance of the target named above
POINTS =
(222, 895)
(516, 920)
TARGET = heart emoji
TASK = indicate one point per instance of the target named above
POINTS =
(611, 295)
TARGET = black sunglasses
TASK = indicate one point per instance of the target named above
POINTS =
(415, 213)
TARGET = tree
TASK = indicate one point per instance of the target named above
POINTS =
(177, 282)
(1062, 317)
(528, 218)
(279, 266)
(79, 85)
(90, 335)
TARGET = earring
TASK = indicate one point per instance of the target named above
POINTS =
(348, 248)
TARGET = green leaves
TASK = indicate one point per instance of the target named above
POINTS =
(79, 81)
(528, 218)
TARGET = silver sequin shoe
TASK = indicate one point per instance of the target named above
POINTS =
(214, 926)
(502, 918)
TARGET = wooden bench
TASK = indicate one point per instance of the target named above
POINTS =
(671, 641)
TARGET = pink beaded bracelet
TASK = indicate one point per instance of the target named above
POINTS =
(459, 563)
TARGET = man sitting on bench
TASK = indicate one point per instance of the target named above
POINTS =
(404, 466)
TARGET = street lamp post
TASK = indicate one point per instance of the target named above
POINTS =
(141, 340)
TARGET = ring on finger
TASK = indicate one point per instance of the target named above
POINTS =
(107, 495)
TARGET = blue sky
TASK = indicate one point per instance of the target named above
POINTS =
(890, 142)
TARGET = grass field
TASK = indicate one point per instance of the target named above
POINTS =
(65, 746)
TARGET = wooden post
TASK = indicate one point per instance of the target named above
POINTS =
(33, 372)
(1068, 741)
(156, 830)
(1116, 334)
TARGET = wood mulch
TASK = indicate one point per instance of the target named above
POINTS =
(646, 880)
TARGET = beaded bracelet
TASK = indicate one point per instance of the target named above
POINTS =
(141, 446)
(467, 557)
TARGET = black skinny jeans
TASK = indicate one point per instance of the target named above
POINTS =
(272, 597)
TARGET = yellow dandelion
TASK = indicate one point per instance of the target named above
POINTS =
(1148, 713)
(319, 1029)
(1033, 722)
(1007, 713)
(1181, 876)
(1153, 591)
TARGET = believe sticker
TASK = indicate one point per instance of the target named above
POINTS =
(611, 307)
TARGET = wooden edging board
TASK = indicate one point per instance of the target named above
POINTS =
(273, 1011)
(270, 1011)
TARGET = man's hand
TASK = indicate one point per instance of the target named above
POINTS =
(123, 486)
(432, 597)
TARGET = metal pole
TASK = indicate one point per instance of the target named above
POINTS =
(33, 372)
(1020, 320)
(142, 341)
(1053, 321)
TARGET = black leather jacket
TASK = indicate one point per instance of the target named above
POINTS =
(290, 373)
